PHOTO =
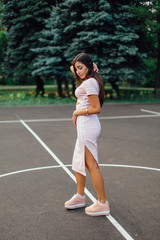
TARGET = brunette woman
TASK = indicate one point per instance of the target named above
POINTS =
(90, 98)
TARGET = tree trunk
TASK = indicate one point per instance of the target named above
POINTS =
(40, 85)
(59, 83)
(116, 88)
(67, 88)
(73, 87)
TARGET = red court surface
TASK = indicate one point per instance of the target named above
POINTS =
(36, 178)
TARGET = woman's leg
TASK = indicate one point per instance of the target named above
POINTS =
(96, 175)
(80, 183)
(77, 201)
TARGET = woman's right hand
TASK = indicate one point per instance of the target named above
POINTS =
(74, 118)
(72, 69)
(95, 68)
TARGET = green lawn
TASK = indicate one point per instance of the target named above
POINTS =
(25, 96)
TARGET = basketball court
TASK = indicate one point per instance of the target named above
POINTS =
(36, 177)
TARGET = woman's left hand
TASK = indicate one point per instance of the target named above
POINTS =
(74, 118)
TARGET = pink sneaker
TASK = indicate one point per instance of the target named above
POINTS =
(75, 202)
(98, 209)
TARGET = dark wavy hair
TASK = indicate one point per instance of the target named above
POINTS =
(87, 61)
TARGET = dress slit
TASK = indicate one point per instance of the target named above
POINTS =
(85, 147)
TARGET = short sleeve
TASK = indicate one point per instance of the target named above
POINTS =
(92, 87)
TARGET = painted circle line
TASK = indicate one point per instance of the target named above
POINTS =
(69, 165)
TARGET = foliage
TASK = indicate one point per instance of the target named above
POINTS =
(3, 46)
(108, 34)
(1, 13)
(51, 60)
(50, 51)
(148, 13)
(3, 39)
(151, 72)
(24, 21)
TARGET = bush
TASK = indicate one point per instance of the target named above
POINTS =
(131, 95)
(151, 64)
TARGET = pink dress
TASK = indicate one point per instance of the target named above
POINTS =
(88, 127)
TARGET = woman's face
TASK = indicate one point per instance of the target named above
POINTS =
(81, 70)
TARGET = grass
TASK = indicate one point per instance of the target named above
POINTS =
(25, 96)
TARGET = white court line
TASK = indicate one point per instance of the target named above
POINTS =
(29, 170)
(129, 166)
(49, 120)
(10, 121)
(69, 165)
(69, 119)
(110, 218)
(148, 111)
(39, 120)
(126, 117)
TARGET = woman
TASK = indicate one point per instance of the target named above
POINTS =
(90, 97)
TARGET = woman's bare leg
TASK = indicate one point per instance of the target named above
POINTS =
(96, 175)
(80, 183)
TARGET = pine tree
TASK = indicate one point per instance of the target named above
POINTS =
(3, 41)
(126, 58)
(93, 32)
(107, 32)
(148, 14)
(50, 60)
(24, 21)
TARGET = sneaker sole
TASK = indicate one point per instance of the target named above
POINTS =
(80, 205)
(98, 213)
